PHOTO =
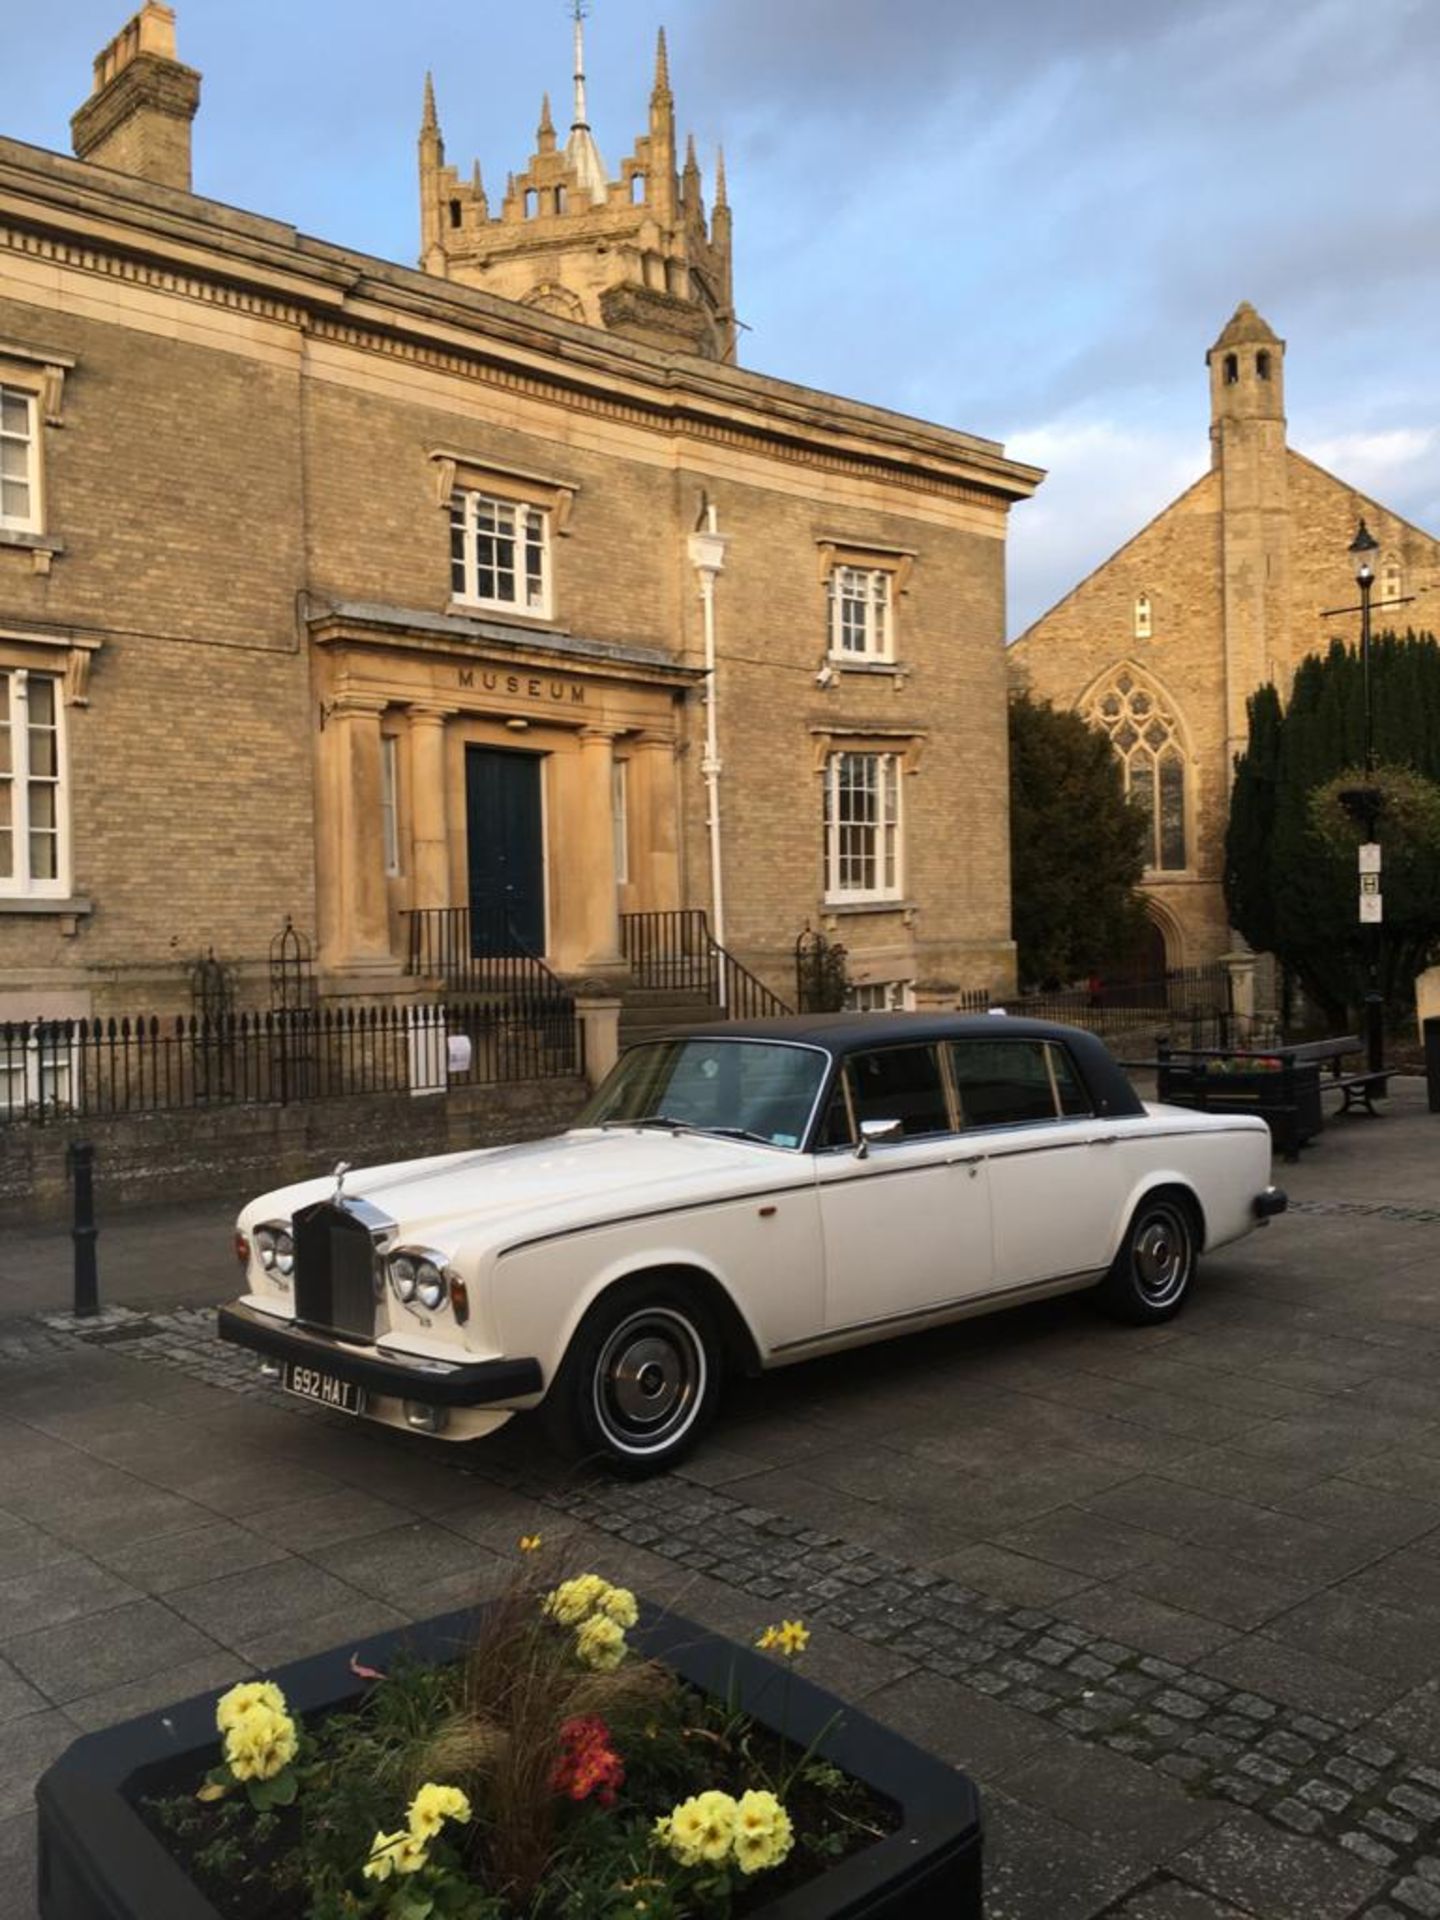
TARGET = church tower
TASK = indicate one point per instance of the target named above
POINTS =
(635, 254)
(1247, 441)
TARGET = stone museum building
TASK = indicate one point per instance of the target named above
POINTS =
(1226, 589)
(493, 595)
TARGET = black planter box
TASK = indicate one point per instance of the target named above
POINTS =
(1287, 1098)
(99, 1861)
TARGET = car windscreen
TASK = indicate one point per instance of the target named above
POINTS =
(755, 1088)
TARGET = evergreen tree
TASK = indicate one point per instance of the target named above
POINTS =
(1076, 846)
(1290, 874)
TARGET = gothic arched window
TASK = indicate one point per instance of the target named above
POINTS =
(1145, 733)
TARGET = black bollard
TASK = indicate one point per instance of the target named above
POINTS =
(84, 1231)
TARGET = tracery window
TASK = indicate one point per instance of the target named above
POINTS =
(1145, 733)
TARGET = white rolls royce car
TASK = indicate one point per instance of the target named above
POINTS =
(739, 1196)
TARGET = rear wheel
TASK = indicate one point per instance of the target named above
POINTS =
(641, 1378)
(1156, 1262)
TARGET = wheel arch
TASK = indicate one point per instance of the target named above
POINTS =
(741, 1349)
(1156, 1184)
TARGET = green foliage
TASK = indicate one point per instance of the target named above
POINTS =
(1290, 871)
(1076, 846)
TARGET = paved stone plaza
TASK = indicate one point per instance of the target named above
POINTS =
(1171, 1595)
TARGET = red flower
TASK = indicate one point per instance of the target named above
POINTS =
(588, 1764)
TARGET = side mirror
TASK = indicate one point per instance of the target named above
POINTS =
(873, 1132)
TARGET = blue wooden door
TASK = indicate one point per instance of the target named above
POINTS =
(506, 851)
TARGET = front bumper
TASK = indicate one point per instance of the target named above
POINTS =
(1272, 1201)
(434, 1383)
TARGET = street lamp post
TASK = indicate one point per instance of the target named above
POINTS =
(1362, 548)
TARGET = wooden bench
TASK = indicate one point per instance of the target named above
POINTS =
(1359, 1088)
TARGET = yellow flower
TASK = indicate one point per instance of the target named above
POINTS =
(381, 1863)
(572, 1600)
(763, 1833)
(702, 1828)
(250, 1694)
(260, 1744)
(618, 1604)
(410, 1853)
(788, 1639)
(600, 1644)
(433, 1806)
(530, 1543)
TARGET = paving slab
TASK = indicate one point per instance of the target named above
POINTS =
(1247, 1862)
(1040, 1868)
(82, 1657)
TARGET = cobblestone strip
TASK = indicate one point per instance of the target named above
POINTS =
(1320, 1777)
(1380, 1209)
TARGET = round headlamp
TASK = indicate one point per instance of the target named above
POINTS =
(402, 1278)
(265, 1247)
(284, 1253)
(429, 1285)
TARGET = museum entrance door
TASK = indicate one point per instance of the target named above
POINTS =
(505, 841)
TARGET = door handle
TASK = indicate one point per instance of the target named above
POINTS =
(967, 1160)
(1103, 1140)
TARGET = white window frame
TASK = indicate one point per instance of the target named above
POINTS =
(20, 884)
(871, 590)
(885, 831)
(32, 521)
(46, 1061)
(390, 803)
(466, 506)
(880, 996)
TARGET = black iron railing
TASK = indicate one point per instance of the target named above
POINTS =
(56, 1068)
(473, 952)
(676, 950)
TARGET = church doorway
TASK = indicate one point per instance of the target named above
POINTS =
(505, 850)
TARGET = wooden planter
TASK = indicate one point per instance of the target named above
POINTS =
(99, 1861)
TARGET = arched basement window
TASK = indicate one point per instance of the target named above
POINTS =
(1145, 733)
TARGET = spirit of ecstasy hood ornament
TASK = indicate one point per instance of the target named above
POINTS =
(342, 1167)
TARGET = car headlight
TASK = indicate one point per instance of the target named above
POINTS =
(430, 1286)
(275, 1250)
(402, 1278)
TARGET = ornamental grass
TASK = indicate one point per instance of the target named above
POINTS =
(549, 1772)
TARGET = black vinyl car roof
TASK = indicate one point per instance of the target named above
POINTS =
(841, 1034)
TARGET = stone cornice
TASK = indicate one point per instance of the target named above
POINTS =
(99, 222)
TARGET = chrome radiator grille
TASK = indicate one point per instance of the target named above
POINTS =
(335, 1268)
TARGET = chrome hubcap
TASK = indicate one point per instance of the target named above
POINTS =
(649, 1380)
(1162, 1258)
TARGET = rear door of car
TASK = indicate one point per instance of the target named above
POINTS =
(906, 1227)
(1056, 1182)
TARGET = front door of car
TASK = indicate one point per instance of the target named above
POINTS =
(906, 1227)
(1056, 1172)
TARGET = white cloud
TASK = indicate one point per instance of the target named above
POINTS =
(1106, 480)
(1391, 465)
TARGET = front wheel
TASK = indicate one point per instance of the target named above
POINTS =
(1155, 1265)
(641, 1378)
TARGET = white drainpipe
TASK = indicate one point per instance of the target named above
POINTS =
(707, 556)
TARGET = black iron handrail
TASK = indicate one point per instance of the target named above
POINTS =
(468, 950)
(675, 949)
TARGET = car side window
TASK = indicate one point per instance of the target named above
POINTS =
(835, 1127)
(900, 1083)
(1002, 1083)
(1074, 1095)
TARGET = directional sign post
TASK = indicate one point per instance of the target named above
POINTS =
(1372, 910)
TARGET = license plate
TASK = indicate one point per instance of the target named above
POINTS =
(341, 1395)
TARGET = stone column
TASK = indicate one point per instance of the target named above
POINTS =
(1241, 969)
(429, 835)
(655, 820)
(599, 1015)
(355, 932)
(598, 887)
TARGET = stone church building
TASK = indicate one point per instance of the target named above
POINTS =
(1226, 589)
(342, 591)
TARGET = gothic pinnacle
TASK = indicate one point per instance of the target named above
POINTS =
(428, 121)
(547, 124)
(721, 197)
(662, 65)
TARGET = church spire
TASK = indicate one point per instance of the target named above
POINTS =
(428, 122)
(661, 89)
(582, 115)
(580, 149)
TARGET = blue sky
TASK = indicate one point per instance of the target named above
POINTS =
(1028, 221)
